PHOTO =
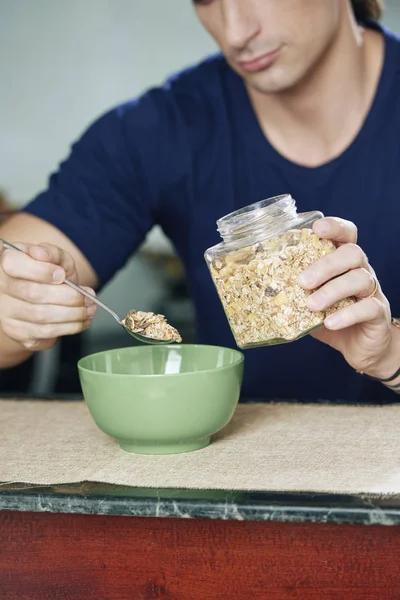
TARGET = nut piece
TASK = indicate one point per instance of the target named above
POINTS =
(258, 287)
(151, 325)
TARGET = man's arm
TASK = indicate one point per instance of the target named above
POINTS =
(104, 198)
(363, 332)
(28, 229)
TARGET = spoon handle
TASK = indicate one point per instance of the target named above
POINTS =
(71, 284)
(94, 298)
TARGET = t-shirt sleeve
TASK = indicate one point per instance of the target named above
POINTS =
(105, 195)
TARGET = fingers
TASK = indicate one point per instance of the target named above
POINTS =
(54, 255)
(367, 310)
(43, 314)
(33, 335)
(43, 263)
(35, 326)
(341, 274)
(359, 283)
(23, 266)
(40, 293)
(337, 230)
(345, 258)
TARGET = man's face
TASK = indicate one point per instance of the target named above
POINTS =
(272, 44)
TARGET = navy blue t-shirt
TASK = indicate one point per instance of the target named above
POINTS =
(183, 155)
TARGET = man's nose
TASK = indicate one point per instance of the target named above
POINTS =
(240, 21)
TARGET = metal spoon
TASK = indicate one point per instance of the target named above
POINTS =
(141, 338)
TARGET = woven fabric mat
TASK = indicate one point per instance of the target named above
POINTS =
(266, 447)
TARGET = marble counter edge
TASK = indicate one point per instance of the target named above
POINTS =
(226, 506)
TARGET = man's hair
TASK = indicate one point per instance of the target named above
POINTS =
(367, 10)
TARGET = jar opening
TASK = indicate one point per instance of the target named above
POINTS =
(271, 214)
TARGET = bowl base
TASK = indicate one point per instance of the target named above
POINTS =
(173, 448)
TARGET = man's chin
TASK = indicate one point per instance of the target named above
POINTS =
(274, 80)
(271, 84)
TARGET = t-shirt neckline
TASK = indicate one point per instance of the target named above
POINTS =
(263, 145)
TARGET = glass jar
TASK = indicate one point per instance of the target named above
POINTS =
(255, 269)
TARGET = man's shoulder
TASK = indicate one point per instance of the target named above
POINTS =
(392, 44)
(187, 101)
(181, 110)
(201, 75)
(198, 84)
(392, 36)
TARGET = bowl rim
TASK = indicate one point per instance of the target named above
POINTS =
(240, 360)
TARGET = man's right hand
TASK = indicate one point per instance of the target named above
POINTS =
(35, 308)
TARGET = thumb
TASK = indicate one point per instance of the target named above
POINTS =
(55, 255)
(39, 253)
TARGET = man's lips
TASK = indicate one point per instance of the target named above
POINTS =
(260, 63)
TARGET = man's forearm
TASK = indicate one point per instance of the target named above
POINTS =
(11, 353)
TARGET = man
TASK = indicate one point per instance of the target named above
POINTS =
(304, 100)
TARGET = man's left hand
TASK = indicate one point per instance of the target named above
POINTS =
(362, 332)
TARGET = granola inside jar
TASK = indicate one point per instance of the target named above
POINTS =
(255, 269)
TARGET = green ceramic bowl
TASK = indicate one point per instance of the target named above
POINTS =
(162, 399)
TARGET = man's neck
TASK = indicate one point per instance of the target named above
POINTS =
(316, 121)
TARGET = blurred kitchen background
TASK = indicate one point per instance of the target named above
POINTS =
(61, 65)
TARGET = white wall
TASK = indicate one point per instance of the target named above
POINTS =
(63, 63)
(392, 14)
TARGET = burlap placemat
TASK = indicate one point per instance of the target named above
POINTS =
(275, 447)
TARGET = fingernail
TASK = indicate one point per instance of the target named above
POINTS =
(58, 276)
(315, 302)
(307, 279)
(91, 310)
(31, 345)
(334, 321)
(42, 249)
(323, 228)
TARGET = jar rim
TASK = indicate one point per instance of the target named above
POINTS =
(242, 218)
